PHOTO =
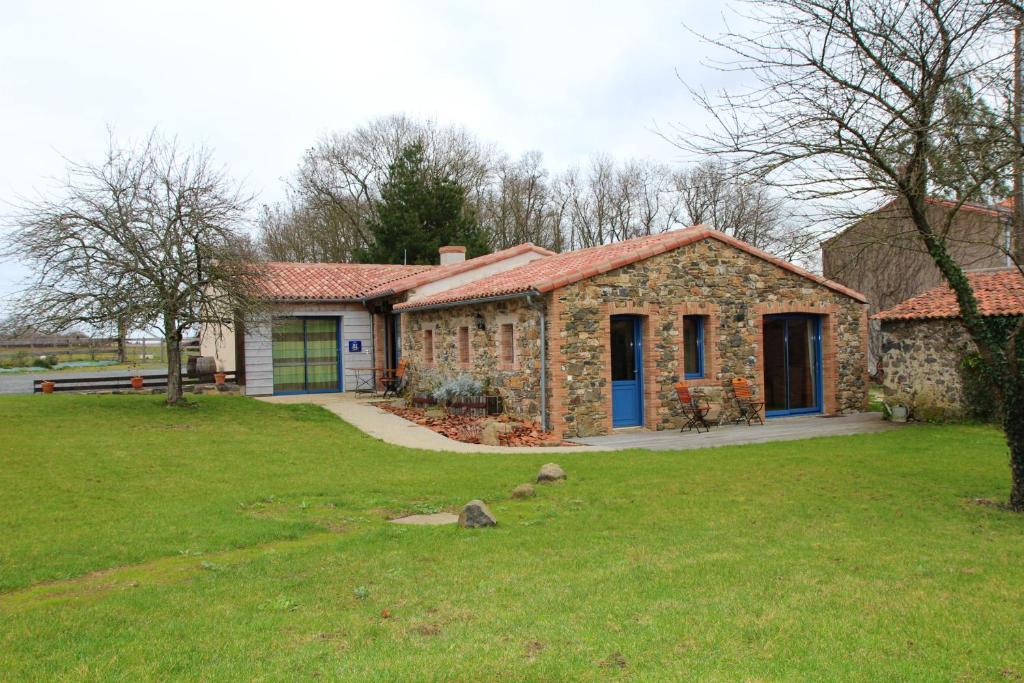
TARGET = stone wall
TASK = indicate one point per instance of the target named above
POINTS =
(920, 361)
(734, 290)
(518, 385)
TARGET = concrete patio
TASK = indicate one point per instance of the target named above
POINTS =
(359, 410)
(775, 429)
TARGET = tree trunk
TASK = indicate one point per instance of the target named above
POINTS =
(173, 337)
(1013, 426)
(122, 352)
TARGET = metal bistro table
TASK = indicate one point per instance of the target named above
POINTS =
(363, 379)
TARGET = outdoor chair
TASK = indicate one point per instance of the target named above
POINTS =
(394, 379)
(695, 409)
(748, 406)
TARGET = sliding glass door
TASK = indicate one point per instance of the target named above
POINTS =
(792, 364)
(306, 355)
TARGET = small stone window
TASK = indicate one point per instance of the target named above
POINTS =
(693, 346)
(428, 347)
(463, 343)
(506, 344)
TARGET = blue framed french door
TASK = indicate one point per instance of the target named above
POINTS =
(306, 355)
(627, 371)
(792, 364)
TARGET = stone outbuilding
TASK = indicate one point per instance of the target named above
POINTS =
(924, 342)
(594, 339)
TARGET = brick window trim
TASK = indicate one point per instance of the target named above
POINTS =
(829, 345)
(712, 365)
(464, 346)
(503, 362)
(429, 358)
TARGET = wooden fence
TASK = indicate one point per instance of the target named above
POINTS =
(118, 382)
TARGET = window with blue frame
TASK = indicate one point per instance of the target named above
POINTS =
(693, 346)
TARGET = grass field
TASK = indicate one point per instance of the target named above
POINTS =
(242, 540)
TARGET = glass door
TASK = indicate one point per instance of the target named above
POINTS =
(306, 357)
(792, 364)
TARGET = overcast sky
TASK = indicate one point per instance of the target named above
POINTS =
(258, 82)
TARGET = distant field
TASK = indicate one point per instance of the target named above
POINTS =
(150, 354)
(241, 540)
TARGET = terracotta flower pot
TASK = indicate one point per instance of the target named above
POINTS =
(47, 386)
(219, 378)
(136, 382)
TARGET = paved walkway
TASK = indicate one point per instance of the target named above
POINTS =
(360, 411)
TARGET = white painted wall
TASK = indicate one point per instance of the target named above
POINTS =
(473, 275)
(219, 341)
(259, 363)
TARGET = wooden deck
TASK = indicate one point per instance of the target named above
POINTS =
(776, 429)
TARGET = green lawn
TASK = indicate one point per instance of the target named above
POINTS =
(241, 540)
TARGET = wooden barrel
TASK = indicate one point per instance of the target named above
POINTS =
(205, 366)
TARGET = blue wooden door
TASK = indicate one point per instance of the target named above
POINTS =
(627, 371)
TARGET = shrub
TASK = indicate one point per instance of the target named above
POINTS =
(448, 390)
(44, 362)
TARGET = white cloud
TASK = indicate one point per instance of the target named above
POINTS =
(259, 81)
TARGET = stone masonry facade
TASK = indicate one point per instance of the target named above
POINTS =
(733, 291)
(921, 362)
(517, 383)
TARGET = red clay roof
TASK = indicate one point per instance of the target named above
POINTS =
(547, 274)
(439, 272)
(998, 292)
(330, 281)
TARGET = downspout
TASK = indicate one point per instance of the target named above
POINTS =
(531, 302)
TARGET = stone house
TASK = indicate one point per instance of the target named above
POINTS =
(583, 341)
(882, 256)
(595, 339)
(924, 342)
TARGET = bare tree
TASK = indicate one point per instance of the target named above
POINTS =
(848, 105)
(730, 199)
(148, 236)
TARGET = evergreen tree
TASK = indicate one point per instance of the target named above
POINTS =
(418, 213)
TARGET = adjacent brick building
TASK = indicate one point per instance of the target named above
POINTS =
(882, 256)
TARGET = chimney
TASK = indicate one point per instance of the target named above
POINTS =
(452, 255)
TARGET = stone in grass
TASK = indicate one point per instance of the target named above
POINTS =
(474, 514)
(550, 472)
(523, 491)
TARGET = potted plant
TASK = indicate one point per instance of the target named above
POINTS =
(47, 386)
(219, 378)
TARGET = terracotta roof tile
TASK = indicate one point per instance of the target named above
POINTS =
(998, 292)
(546, 274)
(330, 281)
(436, 273)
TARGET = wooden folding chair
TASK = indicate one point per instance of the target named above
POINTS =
(695, 409)
(393, 380)
(747, 404)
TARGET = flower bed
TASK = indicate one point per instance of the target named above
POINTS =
(468, 428)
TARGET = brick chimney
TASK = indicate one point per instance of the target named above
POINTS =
(452, 255)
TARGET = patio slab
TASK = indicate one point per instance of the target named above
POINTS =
(775, 429)
(435, 519)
